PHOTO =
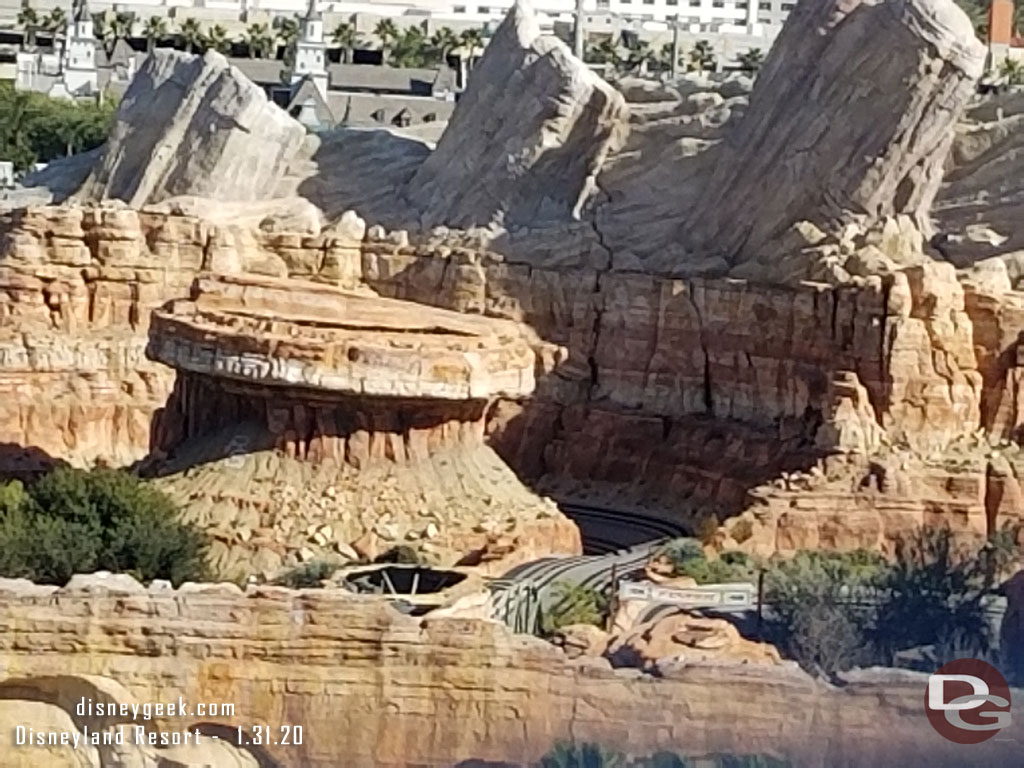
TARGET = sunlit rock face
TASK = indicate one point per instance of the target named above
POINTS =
(527, 139)
(193, 125)
(362, 416)
(850, 120)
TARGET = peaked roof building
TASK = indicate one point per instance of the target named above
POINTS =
(309, 56)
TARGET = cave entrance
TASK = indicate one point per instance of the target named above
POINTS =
(402, 580)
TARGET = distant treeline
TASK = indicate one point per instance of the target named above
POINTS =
(35, 128)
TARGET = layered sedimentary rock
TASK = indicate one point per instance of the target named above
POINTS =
(527, 139)
(834, 136)
(77, 285)
(677, 390)
(191, 125)
(341, 395)
(374, 689)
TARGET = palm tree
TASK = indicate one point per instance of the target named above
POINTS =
(287, 30)
(605, 52)
(442, 42)
(258, 40)
(702, 56)
(345, 37)
(191, 34)
(120, 28)
(471, 39)
(154, 30)
(411, 48)
(217, 39)
(99, 25)
(28, 20)
(54, 23)
(386, 31)
(751, 61)
(1012, 70)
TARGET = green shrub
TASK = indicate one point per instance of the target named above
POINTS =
(687, 559)
(307, 576)
(934, 594)
(35, 128)
(401, 554)
(71, 521)
(574, 604)
(813, 620)
(567, 755)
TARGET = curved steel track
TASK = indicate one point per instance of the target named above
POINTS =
(605, 530)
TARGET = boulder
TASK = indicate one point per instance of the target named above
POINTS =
(528, 136)
(691, 638)
(104, 581)
(851, 119)
(193, 125)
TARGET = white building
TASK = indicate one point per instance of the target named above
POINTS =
(748, 17)
(78, 59)
(310, 55)
(69, 71)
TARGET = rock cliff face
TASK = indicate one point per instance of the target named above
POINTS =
(527, 139)
(834, 136)
(191, 125)
(358, 401)
(685, 393)
(374, 689)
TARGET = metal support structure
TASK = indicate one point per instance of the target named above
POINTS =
(675, 48)
(578, 32)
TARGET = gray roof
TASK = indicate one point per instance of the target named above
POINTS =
(260, 71)
(363, 109)
(355, 77)
(308, 92)
(370, 77)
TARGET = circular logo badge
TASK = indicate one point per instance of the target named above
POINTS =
(967, 701)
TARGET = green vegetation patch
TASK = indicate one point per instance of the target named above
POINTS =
(37, 129)
(73, 521)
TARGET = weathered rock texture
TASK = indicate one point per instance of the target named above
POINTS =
(685, 393)
(527, 138)
(77, 286)
(850, 120)
(295, 333)
(193, 125)
(296, 372)
(375, 689)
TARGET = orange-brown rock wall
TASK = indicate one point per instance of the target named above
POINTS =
(374, 689)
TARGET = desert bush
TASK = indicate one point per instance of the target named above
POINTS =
(402, 554)
(706, 529)
(812, 618)
(72, 521)
(742, 531)
(574, 604)
(934, 591)
(306, 576)
(687, 559)
(566, 755)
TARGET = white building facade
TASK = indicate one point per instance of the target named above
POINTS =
(311, 51)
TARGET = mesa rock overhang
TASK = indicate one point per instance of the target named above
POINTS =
(296, 333)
